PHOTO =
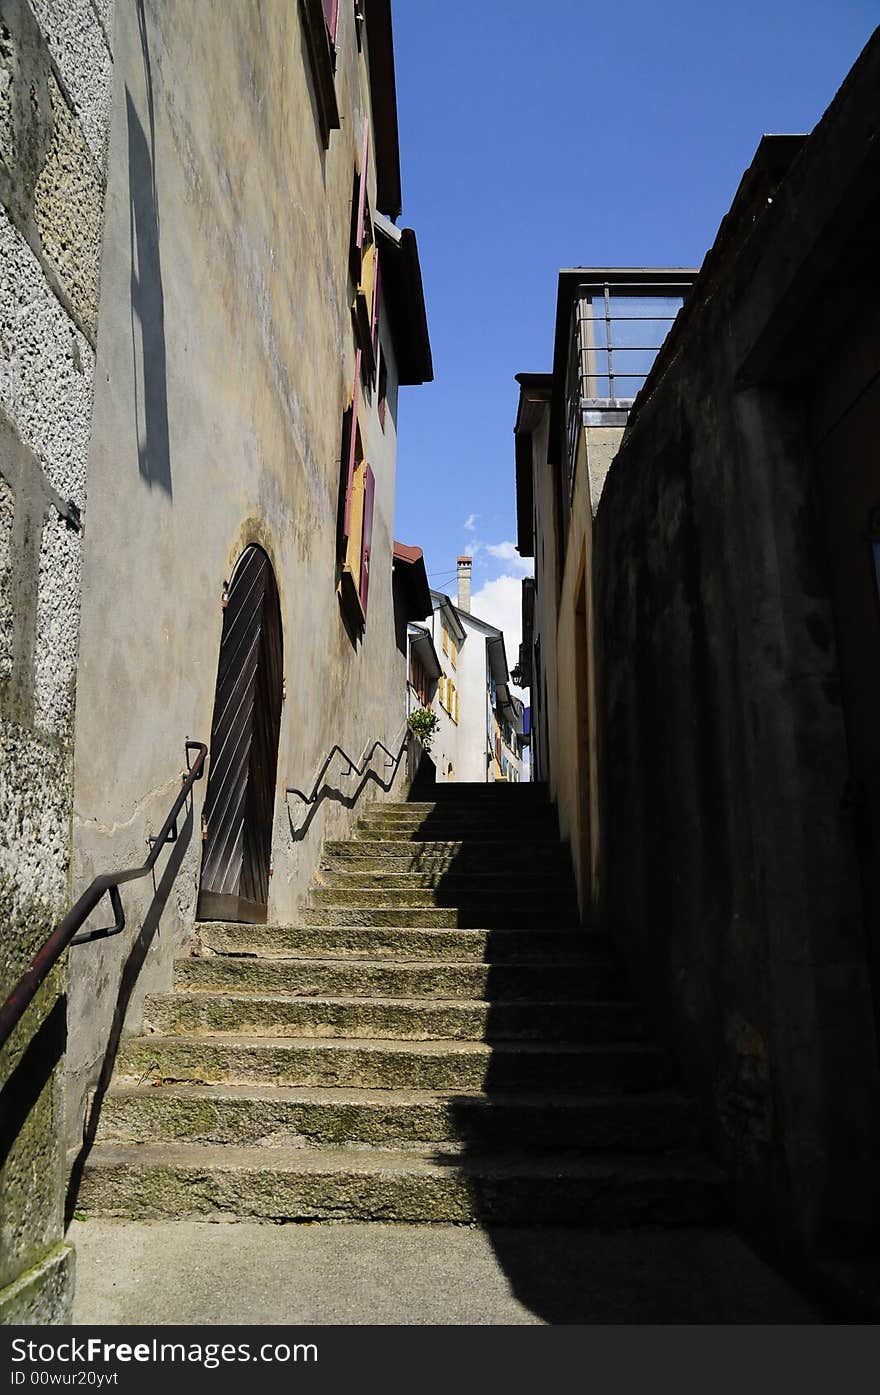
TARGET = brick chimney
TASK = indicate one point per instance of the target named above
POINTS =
(464, 583)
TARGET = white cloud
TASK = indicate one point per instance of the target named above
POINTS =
(470, 522)
(506, 552)
(500, 603)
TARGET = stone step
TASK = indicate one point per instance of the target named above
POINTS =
(440, 917)
(520, 840)
(371, 978)
(489, 825)
(453, 885)
(578, 947)
(281, 1116)
(399, 1019)
(460, 808)
(386, 1065)
(155, 1181)
(536, 899)
(394, 855)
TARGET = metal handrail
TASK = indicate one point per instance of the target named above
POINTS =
(392, 761)
(109, 883)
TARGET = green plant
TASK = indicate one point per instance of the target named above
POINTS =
(424, 723)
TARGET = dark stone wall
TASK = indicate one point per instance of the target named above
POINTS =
(729, 868)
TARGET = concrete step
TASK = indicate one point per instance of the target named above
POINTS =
(452, 823)
(508, 897)
(401, 943)
(472, 856)
(373, 1064)
(372, 978)
(465, 804)
(453, 885)
(440, 917)
(279, 1116)
(520, 840)
(190, 1180)
(399, 1019)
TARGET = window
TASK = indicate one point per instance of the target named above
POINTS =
(331, 18)
(445, 638)
(357, 496)
(454, 654)
(364, 267)
(383, 390)
(320, 20)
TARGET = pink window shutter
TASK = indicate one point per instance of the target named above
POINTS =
(331, 16)
(367, 545)
(352, 445)
(377, 286)
(362, 190)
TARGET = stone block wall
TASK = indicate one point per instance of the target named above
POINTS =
(55, 69)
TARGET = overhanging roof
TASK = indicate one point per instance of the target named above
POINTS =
(409, 572)
(444, 603)
(535, 390)
(422, 646)
(383, 95)
(405, 297)
(498, 659)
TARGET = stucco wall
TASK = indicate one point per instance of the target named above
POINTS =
(225, 360)
(55, 66)
(563, 621)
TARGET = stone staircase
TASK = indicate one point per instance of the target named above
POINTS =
(437, 1040)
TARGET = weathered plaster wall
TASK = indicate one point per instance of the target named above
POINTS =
(564, 619)
(729, 870)
(55, 64)
(225, 361)
(471, 681)
(542, 695)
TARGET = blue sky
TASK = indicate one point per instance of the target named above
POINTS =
(541, 135)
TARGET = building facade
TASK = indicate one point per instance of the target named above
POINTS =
(473, 699)
(256, 311)
(729, 782)
(610, 322)
(56, 75)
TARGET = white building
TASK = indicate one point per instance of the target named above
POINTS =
(473, 699)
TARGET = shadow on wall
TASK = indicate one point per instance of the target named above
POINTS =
(21, 1093)
(147, 296)
(333, 793)
(130, 973)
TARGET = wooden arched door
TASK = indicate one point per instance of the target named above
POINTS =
(240, 800)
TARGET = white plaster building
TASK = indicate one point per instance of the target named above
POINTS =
(473, 700)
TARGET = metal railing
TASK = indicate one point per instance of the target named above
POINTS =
(108, 883)
(391, 762)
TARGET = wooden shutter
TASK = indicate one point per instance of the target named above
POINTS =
(351, 464)
(331, 15)
(367, 543)
(377, 287)
(362, 198)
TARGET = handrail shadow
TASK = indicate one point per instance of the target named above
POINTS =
(130, 973)
(321, 792)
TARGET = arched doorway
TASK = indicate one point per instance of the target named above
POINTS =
(240, 800)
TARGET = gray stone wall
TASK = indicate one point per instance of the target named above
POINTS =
(730, 876)
(55, 66)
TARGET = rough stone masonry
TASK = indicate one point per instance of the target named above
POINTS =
(55, 71)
